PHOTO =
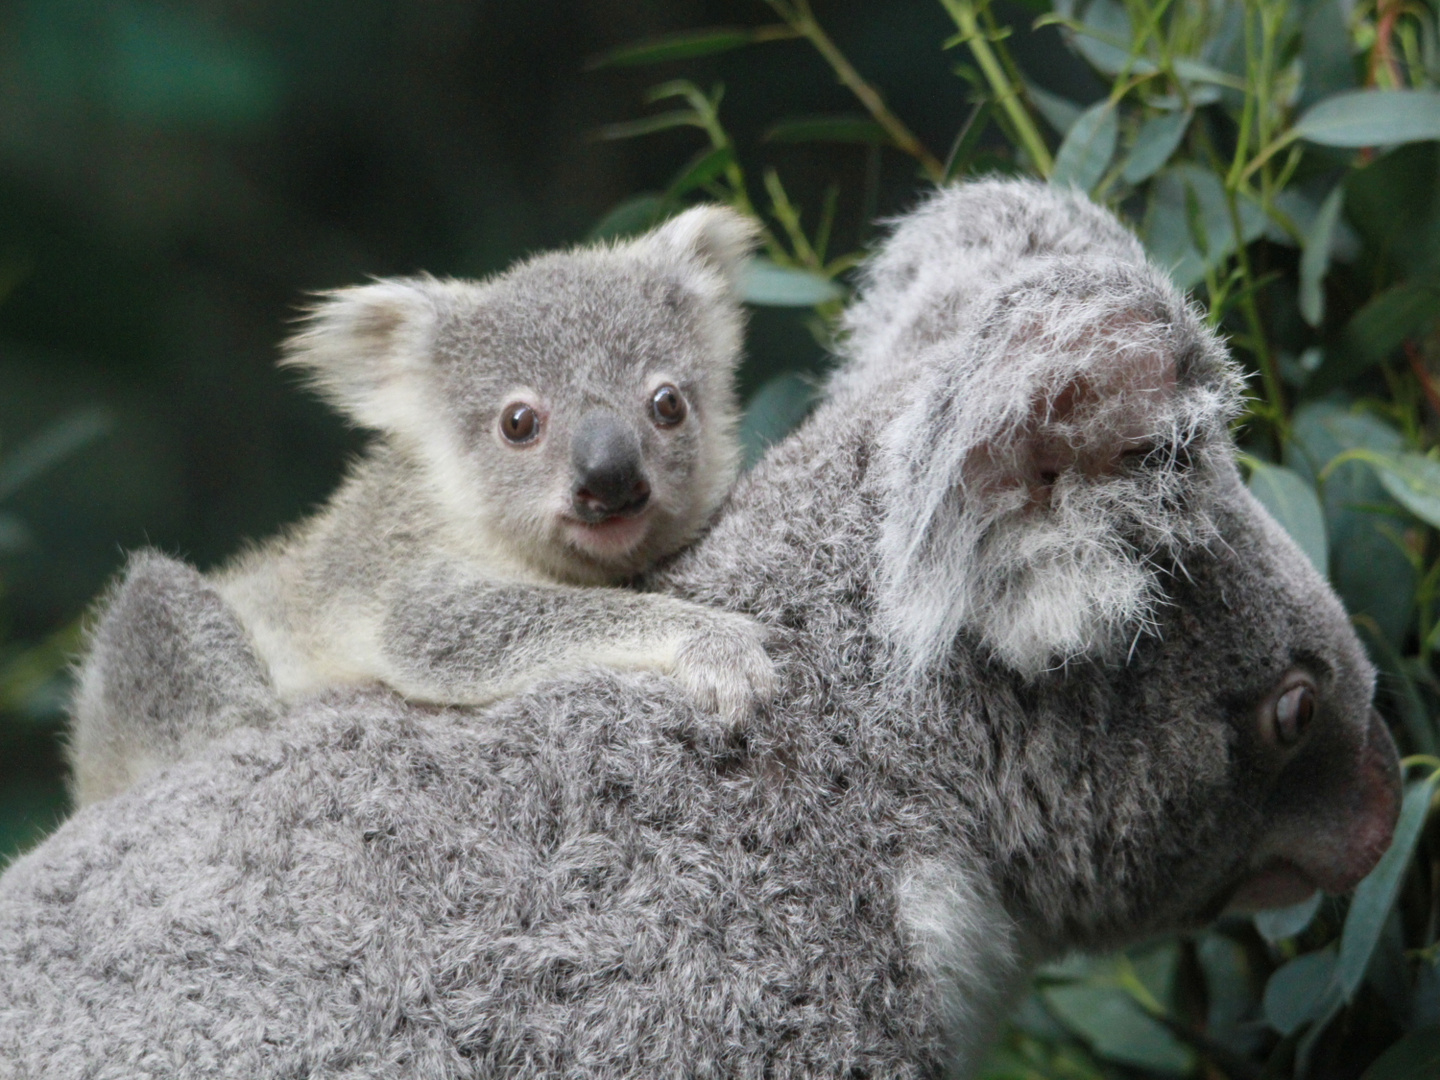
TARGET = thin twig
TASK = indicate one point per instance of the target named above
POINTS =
(798, 14)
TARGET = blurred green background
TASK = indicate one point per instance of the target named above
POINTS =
(174, 177)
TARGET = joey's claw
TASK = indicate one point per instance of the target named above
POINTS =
(724, 666)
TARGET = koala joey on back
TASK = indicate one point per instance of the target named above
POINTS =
(562, 426)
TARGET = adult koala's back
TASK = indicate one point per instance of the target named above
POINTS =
(1051, 679)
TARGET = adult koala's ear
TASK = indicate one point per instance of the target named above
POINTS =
(704, 242)
(1043, 469)
(366, 350)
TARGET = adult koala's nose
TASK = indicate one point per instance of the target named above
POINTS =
(609, 469)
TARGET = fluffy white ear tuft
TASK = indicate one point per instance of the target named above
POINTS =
(1037, 473)
(365, 350)
(713, 237)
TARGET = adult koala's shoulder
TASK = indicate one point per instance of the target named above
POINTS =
(572, 882)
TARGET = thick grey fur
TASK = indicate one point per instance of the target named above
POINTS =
(450, 565)
(581, 882)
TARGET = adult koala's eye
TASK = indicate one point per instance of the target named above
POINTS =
(668, 406)
(1294, 709)
(518, 422)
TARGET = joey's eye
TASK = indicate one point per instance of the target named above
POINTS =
(518, 422)
(668, 406)
(1294, 710)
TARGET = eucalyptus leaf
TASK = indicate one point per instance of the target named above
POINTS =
(1315, 258)
(647, 125)
(702, 169)
(1278, 924)
(1301, 992)
(1359, 118)
(1378, 329)
(687, 44)
(1158, 138)
(54, 443)
(1369, 569)
(1415, 1056)
(1116, 1028)
(1231, 1002)
(630, 217)
(764, 283)
(1292, 502)
(1086, 152)
(834, 129)
(1060, 113)
(1414, 481)
(15, 535)
(1166, 230)
(1324, 50)
(1374, 896)
(774, 411)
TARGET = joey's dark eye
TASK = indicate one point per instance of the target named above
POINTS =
(518, 422)
(668, 406)
(1294, 710)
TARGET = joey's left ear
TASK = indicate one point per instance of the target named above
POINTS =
(1035, 469)
(706, 238)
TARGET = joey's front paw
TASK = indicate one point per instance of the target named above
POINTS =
(724, 666)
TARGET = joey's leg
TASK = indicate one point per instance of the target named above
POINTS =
(472, 641)
(169, 668)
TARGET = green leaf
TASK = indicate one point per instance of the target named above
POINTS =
(1277, 924)
(1378, 329)
(1373, 575)
(1302, 991)
(1324, 50)
(1060, 113)
(1087, 149)
(1231, 1002)
(687, 45)
(703, 168)
(1110, 1020)
(631, 217)
(646, 125)
(15, 535)
(775, 410)
(1415, 1056)
(1394, 204)
(834, 129)
(764, 283)
(1167, 227)
(1315, 259)
(1157, 140)
(968, 140)
(1374, 896)
(1372, 118)
(1292, 502)
(1414, 481)
(54, 443)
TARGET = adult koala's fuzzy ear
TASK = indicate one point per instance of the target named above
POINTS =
(366, 350)
(1075, 416)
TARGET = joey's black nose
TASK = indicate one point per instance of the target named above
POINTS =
(608, 467)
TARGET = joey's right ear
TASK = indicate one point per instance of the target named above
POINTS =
(366, 349)
(713, 238)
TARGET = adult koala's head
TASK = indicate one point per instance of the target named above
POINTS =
(1184, 711)
(576, 412)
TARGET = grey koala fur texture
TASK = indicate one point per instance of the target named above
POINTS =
(457, 564)
(580, 882)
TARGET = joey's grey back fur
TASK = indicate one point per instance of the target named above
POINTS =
(457, 561)
(577, 882)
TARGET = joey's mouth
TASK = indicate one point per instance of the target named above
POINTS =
(611, 536)
(1279, 883)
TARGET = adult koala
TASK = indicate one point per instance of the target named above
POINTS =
(1050, 679)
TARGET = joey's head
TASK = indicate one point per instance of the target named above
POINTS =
(1179, 710)
(576, 414)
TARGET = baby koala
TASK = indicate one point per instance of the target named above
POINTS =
(560, 427)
